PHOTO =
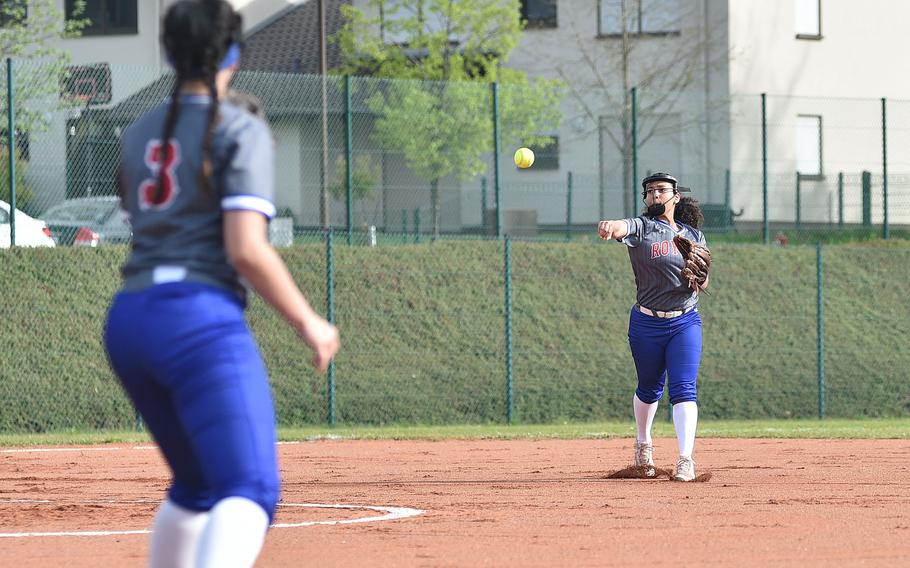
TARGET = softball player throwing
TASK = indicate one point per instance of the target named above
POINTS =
(664, 325)
(196, 178)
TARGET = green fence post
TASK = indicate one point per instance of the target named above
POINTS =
(728, 216)
(507, 269)
(820, 331)
(349, 156)
(497, 180)
(11, 145)
(886, 231)
(483, 204)
(867, 199)
(417, 225)
(404, 225)
(766, 229)
(840, 200)
(798, 202)
(330, 315)
(569, 206)
(634, 199)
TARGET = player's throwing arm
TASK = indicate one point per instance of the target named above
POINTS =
(612, 229)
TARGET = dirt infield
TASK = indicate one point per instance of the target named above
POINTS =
(494, 503)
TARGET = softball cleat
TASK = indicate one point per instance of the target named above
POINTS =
(644, 457)
(685, 469)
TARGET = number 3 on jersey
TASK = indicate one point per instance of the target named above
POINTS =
(149, 186)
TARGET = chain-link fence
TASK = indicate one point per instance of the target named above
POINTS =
(392, 157)
(488, 331)
(401, 163)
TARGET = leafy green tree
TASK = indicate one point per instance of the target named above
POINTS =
(365, 175)
(24, 194)
(449, 52)
(28, 30)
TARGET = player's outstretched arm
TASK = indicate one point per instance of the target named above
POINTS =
(612, 229)
(248, 248)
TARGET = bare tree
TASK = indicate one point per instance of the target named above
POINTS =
(663, 48)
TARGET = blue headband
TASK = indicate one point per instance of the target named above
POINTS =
(231, 58)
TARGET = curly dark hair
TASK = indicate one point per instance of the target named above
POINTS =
(689, 213)
(196, 35)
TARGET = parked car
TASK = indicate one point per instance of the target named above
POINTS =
(30, 232)
(88, 221)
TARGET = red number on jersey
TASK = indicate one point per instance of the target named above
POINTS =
(156, 160)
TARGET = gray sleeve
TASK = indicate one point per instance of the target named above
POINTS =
(695, 235)
(636, 228)
(249, 175)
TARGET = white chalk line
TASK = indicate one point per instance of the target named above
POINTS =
(390, 514)
(44, 450)
(103, 449)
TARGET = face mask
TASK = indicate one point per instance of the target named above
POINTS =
(656, 210)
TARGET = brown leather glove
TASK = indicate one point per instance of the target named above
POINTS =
(698, 262)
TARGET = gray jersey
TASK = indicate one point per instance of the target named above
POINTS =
(181, 237)
(657, 264)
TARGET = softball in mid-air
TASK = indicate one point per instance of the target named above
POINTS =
(524, 157)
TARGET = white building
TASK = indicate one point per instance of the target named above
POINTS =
(115, 56)
(824, 64)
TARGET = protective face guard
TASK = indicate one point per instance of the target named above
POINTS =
(661, 176)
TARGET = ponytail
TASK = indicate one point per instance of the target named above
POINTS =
(197, 35)
(689, 213)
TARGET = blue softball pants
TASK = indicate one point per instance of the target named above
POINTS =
(665, 351)
(191, 367)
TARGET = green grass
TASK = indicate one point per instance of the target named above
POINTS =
(423, 335)
(890, 428)
(831, 236)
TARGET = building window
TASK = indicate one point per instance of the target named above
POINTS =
(106, 17)
(92, 155)
(539, 13)
(809, 145)
(546, 156)
(642, 17)
(808, 19)
(13, 12)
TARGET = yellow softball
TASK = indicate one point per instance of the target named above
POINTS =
(524, 157)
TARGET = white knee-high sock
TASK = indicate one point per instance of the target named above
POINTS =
(644, 418)
(234, 534)
(175, 536)
(685, 420)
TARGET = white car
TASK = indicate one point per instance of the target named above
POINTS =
(30, 232)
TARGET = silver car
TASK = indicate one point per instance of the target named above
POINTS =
(88, 221)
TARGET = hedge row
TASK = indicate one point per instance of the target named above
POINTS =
(424, 341)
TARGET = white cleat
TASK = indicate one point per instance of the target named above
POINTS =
(644, 456)
(685, 469)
